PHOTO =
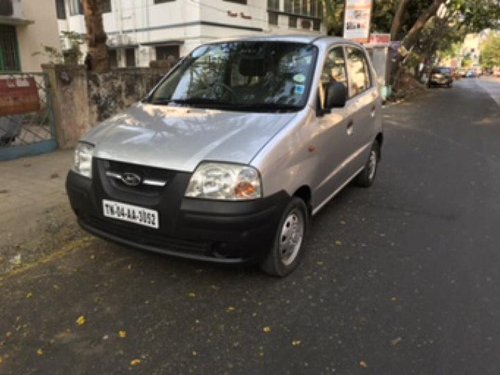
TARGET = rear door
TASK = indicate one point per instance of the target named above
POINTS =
(364, 101)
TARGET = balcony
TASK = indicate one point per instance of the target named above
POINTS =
(11, 13)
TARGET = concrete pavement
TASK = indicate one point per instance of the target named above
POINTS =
(34, 214)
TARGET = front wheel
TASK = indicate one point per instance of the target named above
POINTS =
(367, 176)
(286, 252)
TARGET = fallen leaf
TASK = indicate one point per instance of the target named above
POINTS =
(296, 342)
(396, 341)
(231, 309)
(363, 364)
(320, 263)
(122, 334)
(8, 334)
(266, 329)
(135, 362)
(29, 295)
(80, 321)
(191, 294)
(195, 353)
(342, 222)
(39, 352)
(16, 260)
(92, 256)
(338, 243)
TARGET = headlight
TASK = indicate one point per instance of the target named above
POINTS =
(224, 182)
(83, 159)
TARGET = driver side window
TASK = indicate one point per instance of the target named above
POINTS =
(334, 70)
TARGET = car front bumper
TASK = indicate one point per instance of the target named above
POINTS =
(214, 231)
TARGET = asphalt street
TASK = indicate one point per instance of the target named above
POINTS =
(401, 278)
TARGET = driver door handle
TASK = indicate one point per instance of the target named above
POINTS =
(350, 127)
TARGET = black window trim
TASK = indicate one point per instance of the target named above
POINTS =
(240, 2)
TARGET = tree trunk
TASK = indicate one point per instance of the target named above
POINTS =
(417, 27)
(98, 59)
(411, 37)
(398, 19)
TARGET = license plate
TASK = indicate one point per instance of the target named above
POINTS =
(130, 213)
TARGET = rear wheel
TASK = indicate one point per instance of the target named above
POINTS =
(286, 252)
(367, 176)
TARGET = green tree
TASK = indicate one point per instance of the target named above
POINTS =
(490, 51)
(467, 62)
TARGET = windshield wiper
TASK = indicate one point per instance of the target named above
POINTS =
(268, 107)
(205, 102)
(214, 103)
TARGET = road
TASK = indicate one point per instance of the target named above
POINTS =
(401, 278)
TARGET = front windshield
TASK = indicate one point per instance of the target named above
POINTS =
(256, 76)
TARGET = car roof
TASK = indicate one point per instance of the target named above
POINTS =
(319, 40)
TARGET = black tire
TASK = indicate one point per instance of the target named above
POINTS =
(276, 263)
(367, 176)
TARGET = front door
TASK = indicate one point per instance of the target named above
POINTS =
(333, 138)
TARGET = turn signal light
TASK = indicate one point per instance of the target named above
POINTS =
(245, 190)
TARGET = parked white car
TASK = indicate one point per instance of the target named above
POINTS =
(231, 154)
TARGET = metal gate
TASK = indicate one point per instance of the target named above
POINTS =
(26, 116)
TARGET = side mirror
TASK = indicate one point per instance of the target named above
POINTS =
(336, 95)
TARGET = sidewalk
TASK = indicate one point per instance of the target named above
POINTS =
(35, 216)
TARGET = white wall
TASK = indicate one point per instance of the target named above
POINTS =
(42, 32)
(142, 21)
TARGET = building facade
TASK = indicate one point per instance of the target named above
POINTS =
(25, 27)
(140, 31)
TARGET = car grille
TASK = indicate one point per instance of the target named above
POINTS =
(145, 172)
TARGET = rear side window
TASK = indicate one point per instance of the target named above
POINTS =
(334, 70)
(359, 73)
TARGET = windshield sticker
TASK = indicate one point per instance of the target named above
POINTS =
(299, 89)
(299, 78)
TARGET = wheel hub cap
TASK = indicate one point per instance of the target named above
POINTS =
(291, 237)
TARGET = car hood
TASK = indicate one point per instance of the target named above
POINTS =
(179, 138)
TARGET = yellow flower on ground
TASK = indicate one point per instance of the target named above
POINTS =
(135, 362)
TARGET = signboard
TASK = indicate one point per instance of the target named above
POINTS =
(18, 96)
(357, 20)
(380, 40)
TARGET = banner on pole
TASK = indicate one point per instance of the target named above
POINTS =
(357, 18)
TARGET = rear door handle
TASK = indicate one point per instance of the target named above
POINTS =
(373, 112)
(350, 127)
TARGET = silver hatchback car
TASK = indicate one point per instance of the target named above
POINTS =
(230, 155)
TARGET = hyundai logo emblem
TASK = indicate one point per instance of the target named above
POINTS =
(131, 179)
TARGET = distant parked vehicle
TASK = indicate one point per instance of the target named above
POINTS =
(440, 76)
(470, 74)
